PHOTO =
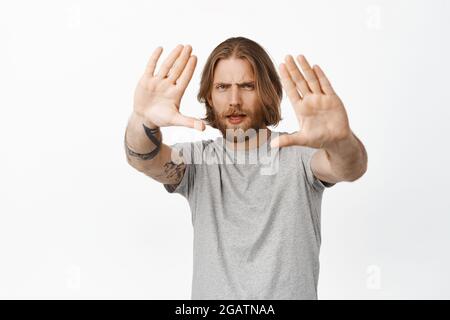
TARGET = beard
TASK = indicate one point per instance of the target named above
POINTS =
(243, 131)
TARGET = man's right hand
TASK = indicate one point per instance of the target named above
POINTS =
(157, 97)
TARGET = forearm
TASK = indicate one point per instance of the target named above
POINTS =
(347, 158)
(137, 140)
(159, 163)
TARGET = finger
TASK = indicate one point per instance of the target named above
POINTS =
(323, 80)
(190, 122)
(297, 76)
(168, 63)
(310, 75)
(187, 73)
(180, 63)
(151, 65)
(289, 85)
(286, 140)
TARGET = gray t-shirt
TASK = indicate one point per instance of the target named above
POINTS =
(256, 220)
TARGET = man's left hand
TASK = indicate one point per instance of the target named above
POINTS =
(319, 111)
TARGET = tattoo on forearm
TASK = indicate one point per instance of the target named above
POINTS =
(151, 134)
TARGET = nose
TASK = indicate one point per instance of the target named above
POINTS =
(235, 98)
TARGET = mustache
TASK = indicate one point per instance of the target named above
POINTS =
(235, 112)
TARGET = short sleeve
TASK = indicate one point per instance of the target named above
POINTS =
(306, 156)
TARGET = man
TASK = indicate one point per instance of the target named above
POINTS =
(256, 233)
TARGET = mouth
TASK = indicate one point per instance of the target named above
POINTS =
(236, 118)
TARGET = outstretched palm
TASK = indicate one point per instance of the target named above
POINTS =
(320, 112)
(158, 96)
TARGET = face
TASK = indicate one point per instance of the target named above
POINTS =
(234, 93)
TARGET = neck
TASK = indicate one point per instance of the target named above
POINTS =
(251, 141)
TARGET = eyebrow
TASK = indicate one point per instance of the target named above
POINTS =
(239, 84)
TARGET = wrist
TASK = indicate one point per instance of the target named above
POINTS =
(140, 120)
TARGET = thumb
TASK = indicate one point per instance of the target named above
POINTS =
(285, 140)
(189, 122)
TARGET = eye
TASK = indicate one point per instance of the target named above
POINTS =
(249, 86)
(220, 86)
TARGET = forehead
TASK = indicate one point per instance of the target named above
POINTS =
(233, 70)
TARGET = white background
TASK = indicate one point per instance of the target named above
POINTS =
(76, 221)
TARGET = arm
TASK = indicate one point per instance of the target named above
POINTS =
(159, 164)
(324, 124)
(156, 104)
(345, 160)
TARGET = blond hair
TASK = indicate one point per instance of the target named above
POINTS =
(268, 86)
